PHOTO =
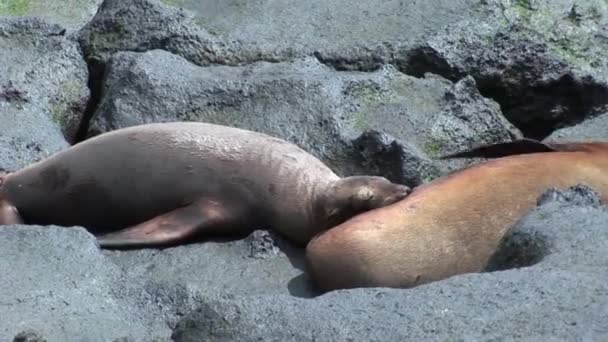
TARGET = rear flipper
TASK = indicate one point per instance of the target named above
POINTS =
(172, 227)
(503, 149)
(9, 214)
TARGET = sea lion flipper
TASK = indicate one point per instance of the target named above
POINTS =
(171, 227)
(503, 149)
(9, 214)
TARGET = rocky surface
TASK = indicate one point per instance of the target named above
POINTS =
(43, 90)
(541, 60)
(379, 87)
(70, 14)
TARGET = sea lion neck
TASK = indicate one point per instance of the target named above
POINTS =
(319, 207)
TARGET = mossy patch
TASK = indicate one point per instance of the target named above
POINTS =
(59, 109)
(433, 148)
(429, 173)
(15, 7)
(524, 9)
(370, 96)
(366, 92)
(170, 2)
(567, 34)
(361, 121)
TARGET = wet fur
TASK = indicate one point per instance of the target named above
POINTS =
(451, 225)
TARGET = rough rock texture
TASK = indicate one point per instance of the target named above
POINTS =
(594, 128)
(43, 82)
(543, 60)
(310, 104)
(562, 297)
(60, 285)
(56, 282)
(242, 31)
(141, 25)
(71, 14)
(376, 87)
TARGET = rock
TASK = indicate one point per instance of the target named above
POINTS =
(57, 282)
(71, 14)
(543, 61)
(43, 88)
(26, 138)
(324, 111)
(29, 335)
(561, 297)
(348, 37)
(593, 128)
(380, 87)
(141, 25)
(263, 244)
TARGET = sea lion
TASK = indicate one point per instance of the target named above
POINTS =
(453, 224)
(165, 182)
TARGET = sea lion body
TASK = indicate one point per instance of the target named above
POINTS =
(232, 179)
(450, 226)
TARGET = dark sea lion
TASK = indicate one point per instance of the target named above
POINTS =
(454, 224)
(162, 183)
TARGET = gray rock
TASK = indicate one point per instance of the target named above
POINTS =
(64, 288)
(71, 14)
(141, 25)
(26, 136)
(29, 335)
(543, 61)
(303, 101)
(353, 37)
(360, 36)
(57, 283)
(263, 244)
(594, 128)
(354, 83)
(564, 296)
(210, 265)
(43, 82)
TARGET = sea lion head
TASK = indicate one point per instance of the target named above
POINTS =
(353, 195)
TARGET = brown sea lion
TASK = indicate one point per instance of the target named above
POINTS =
(454, 224)
(162, 183)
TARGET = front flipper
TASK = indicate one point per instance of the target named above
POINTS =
(172, 227)
(503, 149)
(9, 214)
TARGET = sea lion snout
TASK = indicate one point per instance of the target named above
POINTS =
(378, 192)
(367, 192)
(398, 193)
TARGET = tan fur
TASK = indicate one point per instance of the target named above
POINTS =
(450, 226)
(164, 182)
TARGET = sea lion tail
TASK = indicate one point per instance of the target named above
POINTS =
(503, 149)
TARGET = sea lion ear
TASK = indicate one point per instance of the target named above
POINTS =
(503, 149)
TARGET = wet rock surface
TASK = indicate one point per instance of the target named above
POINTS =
(382, 87)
